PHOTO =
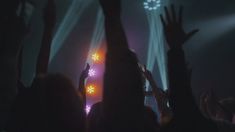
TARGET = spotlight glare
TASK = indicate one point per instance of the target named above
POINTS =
(95, 57)
(90, 89)
(88, 109)
(92, 73)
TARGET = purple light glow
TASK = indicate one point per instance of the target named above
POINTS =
(92, 73)
(88, 108)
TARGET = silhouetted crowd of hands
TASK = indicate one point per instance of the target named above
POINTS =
(52, 103)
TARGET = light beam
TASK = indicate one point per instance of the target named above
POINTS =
(76, 8)
(156, 50)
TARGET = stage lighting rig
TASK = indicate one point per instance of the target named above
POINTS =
(152, 4)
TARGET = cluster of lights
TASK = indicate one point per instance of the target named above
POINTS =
(91, 88)
(92, 72)
(95, 58)
(152, 4)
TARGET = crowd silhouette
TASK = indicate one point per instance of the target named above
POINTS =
(53, 103)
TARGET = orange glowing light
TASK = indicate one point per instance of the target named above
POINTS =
(96, 57)
(90, 89)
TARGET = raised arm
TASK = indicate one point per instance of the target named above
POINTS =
(186, 114)
(81, 88)
(123, 99)
(49, 24)
(181, 98)
(161, 98)
(158, 93)
(115, 34)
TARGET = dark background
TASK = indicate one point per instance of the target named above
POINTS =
(210, 53)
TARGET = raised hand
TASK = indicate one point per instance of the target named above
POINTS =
(173, 28)
(111, 7)
(49, 15)
(160, 96)
(81, 88)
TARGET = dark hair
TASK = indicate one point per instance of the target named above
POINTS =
(50, 104)
(63, 106)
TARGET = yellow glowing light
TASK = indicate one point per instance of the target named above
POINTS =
(90, 89)
(95, 57)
